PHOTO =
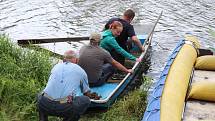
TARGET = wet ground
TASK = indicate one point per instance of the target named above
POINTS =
(22, 19)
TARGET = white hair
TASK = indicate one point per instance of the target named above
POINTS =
(69, 54)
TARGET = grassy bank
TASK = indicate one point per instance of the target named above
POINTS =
(24, 73)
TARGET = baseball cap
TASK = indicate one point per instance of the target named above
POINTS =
(95, 37)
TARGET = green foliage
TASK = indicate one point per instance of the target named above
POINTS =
(18, 98)
(23, 73)
(17, 63)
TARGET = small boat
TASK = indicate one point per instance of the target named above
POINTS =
(112, 89)
(186, 87)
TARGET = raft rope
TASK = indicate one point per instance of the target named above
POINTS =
(193, 45)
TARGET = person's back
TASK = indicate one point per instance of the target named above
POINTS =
(93, 58)
(59, 96)
(65, 77)
(97, 62)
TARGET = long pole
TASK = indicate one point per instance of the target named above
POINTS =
(50, 40)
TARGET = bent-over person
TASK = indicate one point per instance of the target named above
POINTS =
(110, 44)
(128, 31)
(59, 96)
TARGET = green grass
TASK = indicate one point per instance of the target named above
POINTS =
(23, 73)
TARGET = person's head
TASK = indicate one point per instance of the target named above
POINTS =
(95, 38)
(70, 56)
(116, 28)
(129, 15)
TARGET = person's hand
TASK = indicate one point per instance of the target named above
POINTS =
(130, 71)
(95, 96)
(138, 60)
(143, 49)
(92, 95)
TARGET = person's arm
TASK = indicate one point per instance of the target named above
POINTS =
(138, 43)
(92, 95)
(120, 50)
(131, 33)
(84, 83)
(120, 66)
(86, 90)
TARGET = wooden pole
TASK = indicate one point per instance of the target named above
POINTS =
(51, 40)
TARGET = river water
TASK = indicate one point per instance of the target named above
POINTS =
(22, 19)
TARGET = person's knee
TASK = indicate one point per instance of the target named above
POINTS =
(82, 105)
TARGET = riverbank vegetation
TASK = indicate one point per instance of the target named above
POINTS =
(24, 73)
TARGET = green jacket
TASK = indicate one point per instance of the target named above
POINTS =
(109, 43)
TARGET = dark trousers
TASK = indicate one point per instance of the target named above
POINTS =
(69, 111)
(107, 71)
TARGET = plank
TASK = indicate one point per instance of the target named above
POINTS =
(50, 40)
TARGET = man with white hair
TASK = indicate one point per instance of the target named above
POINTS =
(97, 62)
(59, 98)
